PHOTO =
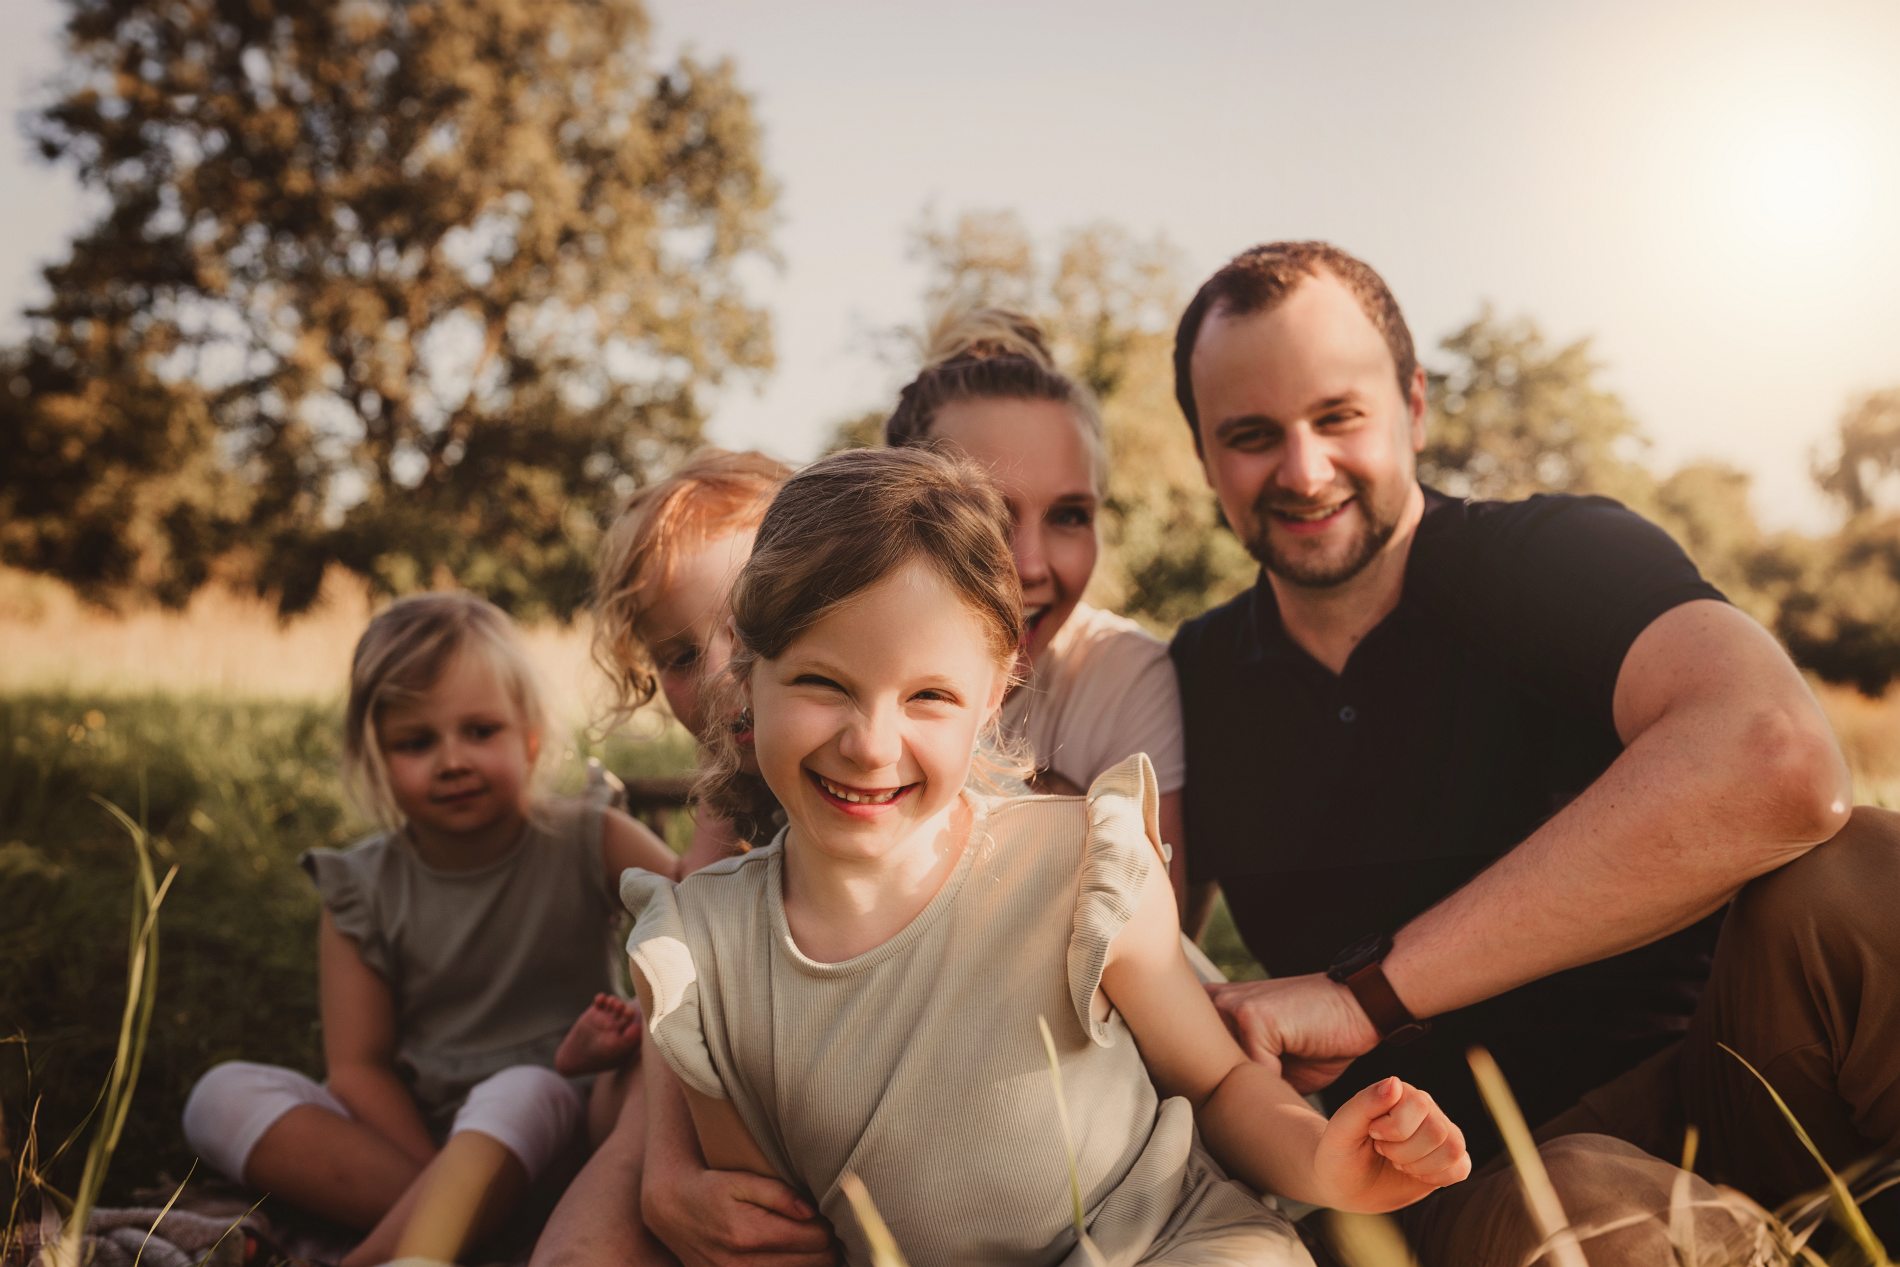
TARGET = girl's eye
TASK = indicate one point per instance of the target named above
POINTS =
(484, 730)
(411, 743)
(812, 679)
(1071, 517)
(679, 658)
(934, 695)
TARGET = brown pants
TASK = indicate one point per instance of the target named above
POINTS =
(1800, 987)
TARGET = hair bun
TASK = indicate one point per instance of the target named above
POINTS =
(962, 335)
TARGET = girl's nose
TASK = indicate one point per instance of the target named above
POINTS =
(452, 757)
(870, 740)
(717, 655)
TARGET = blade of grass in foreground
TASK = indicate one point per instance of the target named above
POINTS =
(884, 1251)
(1539, 1194)
(141, 996)
(1068, 1146)
(1368, 1240)
(1843, 1201)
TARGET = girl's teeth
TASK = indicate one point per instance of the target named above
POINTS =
(858, 798)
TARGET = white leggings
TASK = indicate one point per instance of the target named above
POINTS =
(531, 1111)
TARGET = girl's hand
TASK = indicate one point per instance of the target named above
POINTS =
(1387, 1147)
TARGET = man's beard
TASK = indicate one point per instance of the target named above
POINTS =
(1305, 568)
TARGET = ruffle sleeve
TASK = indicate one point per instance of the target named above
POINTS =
(348, 895)
(1124, 840)
(662, 956)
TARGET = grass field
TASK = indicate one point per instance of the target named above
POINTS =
(217, 729)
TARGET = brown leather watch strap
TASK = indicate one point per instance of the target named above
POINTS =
(1388, 1015)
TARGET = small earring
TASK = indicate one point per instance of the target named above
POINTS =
(745, 718)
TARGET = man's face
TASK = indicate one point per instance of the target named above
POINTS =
(1305, 436)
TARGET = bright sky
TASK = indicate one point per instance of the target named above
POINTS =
(1710, 190)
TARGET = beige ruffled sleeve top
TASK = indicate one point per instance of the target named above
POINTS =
(918, 1065)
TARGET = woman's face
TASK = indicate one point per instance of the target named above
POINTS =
(1043, 464)
(686, 628)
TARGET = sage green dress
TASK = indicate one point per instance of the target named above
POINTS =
(919, 1067)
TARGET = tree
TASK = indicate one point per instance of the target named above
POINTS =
(419, 288)
(1108, 303)
(1864, 472)
(1839, 597)
(1513, 417)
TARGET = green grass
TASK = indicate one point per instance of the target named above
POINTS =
(229, 792)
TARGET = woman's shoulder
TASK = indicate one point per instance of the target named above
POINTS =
(1092, 633)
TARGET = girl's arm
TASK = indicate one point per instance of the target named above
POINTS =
(724, 1140)
(1386, 1148)
(359, 1044)
(625, 843)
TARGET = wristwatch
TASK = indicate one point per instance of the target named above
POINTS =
(1360, 968)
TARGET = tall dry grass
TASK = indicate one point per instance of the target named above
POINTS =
(229, 645)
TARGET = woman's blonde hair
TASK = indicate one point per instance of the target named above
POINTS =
(845, 523)
(399, 659)
(714, 493)
(991, 354)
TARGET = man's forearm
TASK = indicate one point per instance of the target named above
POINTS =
(1695, 807)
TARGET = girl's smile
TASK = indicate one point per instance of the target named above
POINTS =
(866, 723)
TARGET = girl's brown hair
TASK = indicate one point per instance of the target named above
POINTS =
(991, 354)
(845, 523)
(715, 492)
(401, 656)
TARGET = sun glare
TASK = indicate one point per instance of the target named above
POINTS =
(1795, 174)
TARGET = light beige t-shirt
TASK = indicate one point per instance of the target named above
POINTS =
(919, 1065)
(1104, 689)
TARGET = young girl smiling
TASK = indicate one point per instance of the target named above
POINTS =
(862, 995)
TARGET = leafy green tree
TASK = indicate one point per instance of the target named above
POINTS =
(419, 288)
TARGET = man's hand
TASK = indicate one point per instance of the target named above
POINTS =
(1387, 1147)
(1309, 1028)
(725, 1218)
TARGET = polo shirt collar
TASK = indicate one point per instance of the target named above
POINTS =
(1267, 638)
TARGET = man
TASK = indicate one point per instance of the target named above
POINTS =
(1501, 768)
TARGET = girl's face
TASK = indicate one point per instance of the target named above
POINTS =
(459, 760)
(867, 723)
(686, 630)
(1041, 461)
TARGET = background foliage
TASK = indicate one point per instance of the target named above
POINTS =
(418, 288)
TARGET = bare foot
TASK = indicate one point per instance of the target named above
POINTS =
(605, 1037)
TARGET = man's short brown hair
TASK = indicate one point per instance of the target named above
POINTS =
(1259, 280)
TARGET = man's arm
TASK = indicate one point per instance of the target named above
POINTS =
(1729, 771)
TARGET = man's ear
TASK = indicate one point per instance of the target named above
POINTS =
(1415, 408)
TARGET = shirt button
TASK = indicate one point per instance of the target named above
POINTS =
(1348, 713)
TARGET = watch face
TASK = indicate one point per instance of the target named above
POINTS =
(1366, 950)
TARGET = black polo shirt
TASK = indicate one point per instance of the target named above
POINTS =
(1329, 807)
